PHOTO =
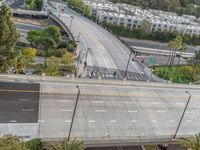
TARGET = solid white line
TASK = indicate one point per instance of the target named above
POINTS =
(27, 109)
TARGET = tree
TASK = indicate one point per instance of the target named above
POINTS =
(145, 26)
(69, 145)
(9, 142)
(24, 59)
(8, 37)
(39, 4)
(68, 58)
(34, 4)
(174, 45)
(196, 60)
(37, 38)
(192, 142)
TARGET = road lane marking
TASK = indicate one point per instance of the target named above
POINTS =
(161, 111)
(155, 103)
(63, 101)
(41, 121)
(97, 101)
(189, 120)
(153, 121)
(132, 111)
(67, 121)
(65, 110)
(91, 121)
(28, 110)
(181, 103)
(133, 120)
(130, 102)
(20, 91)
(13, 121)
(102, 110)
(24, 99)
(171, 121)
(113, 121)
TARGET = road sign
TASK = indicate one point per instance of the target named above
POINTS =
(151, 60)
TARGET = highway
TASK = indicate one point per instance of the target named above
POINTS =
(113, 112)
(19, 106)
(106, 50)
(117, 112)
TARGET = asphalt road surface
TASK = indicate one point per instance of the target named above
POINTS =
(19, 102)
(118, 112)
(106, 51)
(153, 45)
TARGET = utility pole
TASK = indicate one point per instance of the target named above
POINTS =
(72, 17)
(174, 137)
(125, 74)
(71, 125)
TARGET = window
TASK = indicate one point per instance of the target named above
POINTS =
(159, 25)
(135, 22)
(165, 26)
(154, 25)
(129, 20)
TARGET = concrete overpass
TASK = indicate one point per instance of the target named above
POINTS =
(111, 112)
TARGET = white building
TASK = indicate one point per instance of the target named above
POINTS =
(132, 17)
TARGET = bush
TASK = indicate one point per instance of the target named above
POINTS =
(57, 52)
(186, 71)
(35, 144)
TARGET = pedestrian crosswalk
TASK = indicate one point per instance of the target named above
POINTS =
(106, 73)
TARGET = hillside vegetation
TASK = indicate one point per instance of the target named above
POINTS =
(190, 7)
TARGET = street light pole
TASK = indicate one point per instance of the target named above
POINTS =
(72, 17)
(174, 137)
(125, 74)
(77, 98)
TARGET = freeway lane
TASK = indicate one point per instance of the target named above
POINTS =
(19, 103)
(106, 51)
(111, 113)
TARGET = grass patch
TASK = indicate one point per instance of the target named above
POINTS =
(183, 74)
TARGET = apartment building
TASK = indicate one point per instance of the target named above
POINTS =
(132, 17)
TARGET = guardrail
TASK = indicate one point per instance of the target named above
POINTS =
(29, 12)
(62, 24)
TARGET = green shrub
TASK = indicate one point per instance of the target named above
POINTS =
(34, 144)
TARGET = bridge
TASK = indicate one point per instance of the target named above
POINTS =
(108, 112)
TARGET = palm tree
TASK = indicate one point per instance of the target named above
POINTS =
(69, 145)
(193, 142)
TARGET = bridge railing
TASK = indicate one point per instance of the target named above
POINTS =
(62, 24)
